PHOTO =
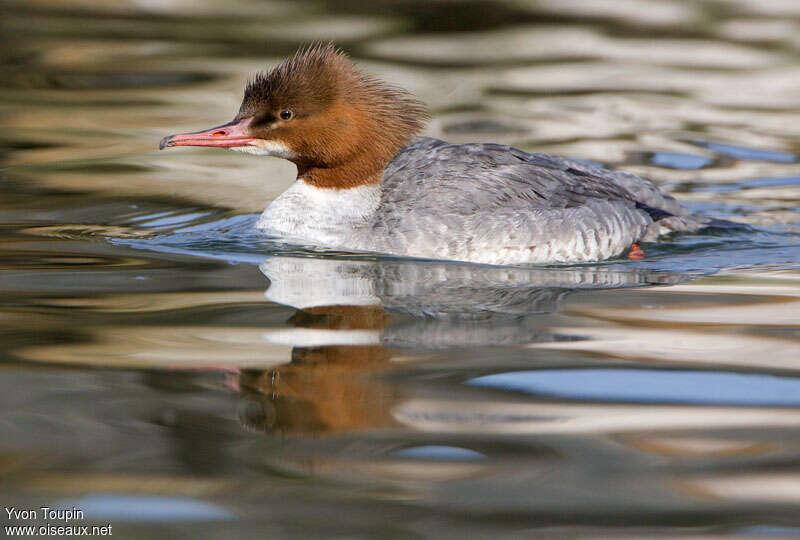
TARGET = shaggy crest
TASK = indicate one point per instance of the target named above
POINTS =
(309, 78)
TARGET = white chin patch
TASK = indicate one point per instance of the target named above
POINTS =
(266, 148)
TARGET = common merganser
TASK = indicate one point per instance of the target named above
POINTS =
(365, 182)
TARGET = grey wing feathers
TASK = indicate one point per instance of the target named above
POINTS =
(504, 175)
(490, 197)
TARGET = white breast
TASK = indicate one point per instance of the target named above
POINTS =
(320, 216)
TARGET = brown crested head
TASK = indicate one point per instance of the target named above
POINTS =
(340, 125)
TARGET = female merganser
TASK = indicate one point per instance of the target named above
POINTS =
(366, 183)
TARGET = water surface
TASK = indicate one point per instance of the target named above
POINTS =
(168, 370)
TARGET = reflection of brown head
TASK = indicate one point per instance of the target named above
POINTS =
(342, 318)
(328, 388)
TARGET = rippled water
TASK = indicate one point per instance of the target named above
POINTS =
(165, 369)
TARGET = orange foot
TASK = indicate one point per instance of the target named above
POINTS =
(636, 253)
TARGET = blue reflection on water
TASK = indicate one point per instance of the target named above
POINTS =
(743, 152)
(751, 184)
(444, 453)
(145, 508)
(650, 386)
(674, 160)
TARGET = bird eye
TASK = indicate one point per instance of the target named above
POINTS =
(286, 114)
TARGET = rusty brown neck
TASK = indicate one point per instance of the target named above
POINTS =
(353, 173)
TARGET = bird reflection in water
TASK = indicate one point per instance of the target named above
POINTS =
(327, 386)
(356, 321)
